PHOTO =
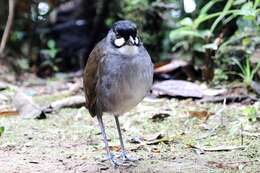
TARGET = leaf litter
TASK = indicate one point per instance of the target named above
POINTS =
(161, 131)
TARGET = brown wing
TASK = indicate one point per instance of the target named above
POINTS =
(90, 78)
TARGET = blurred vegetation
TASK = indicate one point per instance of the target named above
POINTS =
(209, 38)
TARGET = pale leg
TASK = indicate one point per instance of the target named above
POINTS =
(110, 156)
(123, 154)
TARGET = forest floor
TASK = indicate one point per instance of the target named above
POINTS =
(168, 135)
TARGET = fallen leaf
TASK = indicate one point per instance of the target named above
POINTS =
(159, 117)
(154, 136)
(136, 148)
(3, 86)
(9, 113)
(26, 107)
(7, 110)
(162, 140)
(115, 148)
(136, 140)
(155, 150)
(203, 115)
(213, 92)
(177, 88)
(222, 165)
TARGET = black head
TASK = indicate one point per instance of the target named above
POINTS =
(126, 33)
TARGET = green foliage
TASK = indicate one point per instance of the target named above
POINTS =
(50, 55)
(2, 129)
(217, 29)
(52, 50)
(23, 63)
(250, 113)
(219, 76)
(213, 29)
(247, 72)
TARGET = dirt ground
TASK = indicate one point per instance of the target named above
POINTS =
(163, 133)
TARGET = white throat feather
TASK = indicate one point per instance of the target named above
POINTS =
(128, 50)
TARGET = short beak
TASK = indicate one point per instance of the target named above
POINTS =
(130, 41)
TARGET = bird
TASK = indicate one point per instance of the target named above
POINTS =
(117, 76)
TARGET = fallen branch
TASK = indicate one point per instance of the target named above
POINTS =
(8, 26)
(70, 102)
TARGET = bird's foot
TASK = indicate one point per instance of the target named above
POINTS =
(124, 156)
(115, 163)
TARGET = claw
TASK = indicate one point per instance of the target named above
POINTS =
(124, 156)
(115, 163)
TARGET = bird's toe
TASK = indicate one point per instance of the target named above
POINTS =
(125, 157)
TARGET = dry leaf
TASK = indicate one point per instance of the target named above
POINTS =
(8, 111)
(154, 136)
(159, 117)
(26, 107)
(115, 148)
(177, 88)
(155, 150)
(136, 140)
(203, 115)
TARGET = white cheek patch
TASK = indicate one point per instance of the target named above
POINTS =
(119, 42)
(136, 41)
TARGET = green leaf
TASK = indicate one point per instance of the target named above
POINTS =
(224, 12)
(248, 10)
(51, 44)
(255, 69)
(212, 46)
(180, 44)
(256, 3)
(2, 129)
(239, 2)
(184, 32)
(204, 10)
(246, 41)
(198, 47)
(250, 113)
(187, 21)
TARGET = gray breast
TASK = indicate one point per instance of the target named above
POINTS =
(125, 81)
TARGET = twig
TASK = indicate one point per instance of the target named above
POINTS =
(241, 134)
(220, 112)
(229, 99)
(251, 134)
(8, 26)
(219, 148)
(243, 162)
